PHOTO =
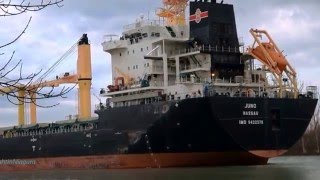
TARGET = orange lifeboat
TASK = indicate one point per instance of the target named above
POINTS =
(281, 62)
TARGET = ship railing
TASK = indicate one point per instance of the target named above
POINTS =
(154, 84)
(142, 23)
(232, 81)
(49, 130)
(194, 80)
(206, 80)
(112, 44)
(226, 81)
(184, 95)
(155, 69)
(159, 69)
(184, 51)
(102, 106)
(194, 66)
(228, 49)
(207, 48)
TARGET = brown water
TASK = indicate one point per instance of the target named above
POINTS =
(282, 168)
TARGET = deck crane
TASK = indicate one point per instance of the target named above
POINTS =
(268, 53)
(27, 90)
(173, 12)
(83, 78)
(65, 79)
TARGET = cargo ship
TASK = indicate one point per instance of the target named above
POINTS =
(182, 94)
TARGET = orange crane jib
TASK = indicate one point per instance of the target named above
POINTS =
(173, 11)
(83, 78)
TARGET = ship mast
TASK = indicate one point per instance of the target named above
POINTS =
(173, 11)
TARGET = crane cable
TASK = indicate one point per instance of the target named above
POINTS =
(55, 65)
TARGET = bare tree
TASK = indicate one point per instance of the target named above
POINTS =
(24, 88)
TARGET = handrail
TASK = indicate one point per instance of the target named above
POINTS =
(207, 48)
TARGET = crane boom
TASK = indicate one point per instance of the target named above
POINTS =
(82, 78)
(173, 11)
(66, 79)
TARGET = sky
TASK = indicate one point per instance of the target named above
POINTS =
(293, 24)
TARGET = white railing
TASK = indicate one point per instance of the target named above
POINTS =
(207, 48)
(159, 69)
(112, 44)
(194, 80)
(193, 66)
(143, 23)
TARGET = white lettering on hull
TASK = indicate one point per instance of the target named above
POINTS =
(251, 122)
(250, 106)
(250, 113)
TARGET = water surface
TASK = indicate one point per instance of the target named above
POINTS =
(281, 168)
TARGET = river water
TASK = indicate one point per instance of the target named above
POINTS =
(281, 168)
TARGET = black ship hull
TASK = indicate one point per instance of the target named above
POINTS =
(192, 132)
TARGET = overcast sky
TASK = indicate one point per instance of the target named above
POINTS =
(293, 24)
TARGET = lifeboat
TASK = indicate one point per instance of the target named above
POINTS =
(281, 62)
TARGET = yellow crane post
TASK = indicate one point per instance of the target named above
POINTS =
(21, 99)
(84, 78)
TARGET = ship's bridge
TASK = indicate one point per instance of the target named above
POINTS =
(142, 30)
(142, 23)
(111, 43)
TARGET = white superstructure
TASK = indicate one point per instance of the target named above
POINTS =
(153, 62)
(158, 55)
